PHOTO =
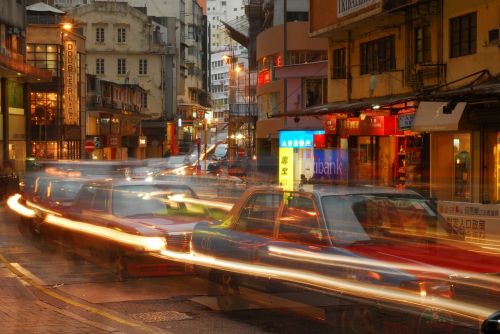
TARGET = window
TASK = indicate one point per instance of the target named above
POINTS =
(315, 92)
(422, 44)
(299, 223)
(122, 66)
(144, 100)
(463, 30)
(378, 56)
(259, 214)
(99, 35)
(99, 66)
(121, 36)
(143, 66)
(339, 69)
(43, 56)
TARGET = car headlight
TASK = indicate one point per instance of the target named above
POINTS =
(155, 244)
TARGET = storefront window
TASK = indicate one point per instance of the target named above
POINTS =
(43, 108)
(44, 150)
(492, 168)
(451, 166)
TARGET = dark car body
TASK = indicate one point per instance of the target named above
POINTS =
(116, 220)
(366, 244)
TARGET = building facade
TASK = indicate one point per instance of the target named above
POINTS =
(125, 46)
(56, 118)
(15, 75)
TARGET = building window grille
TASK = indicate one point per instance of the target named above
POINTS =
(463, 30)
(122, 66)
(422, 44)
(99, 35)
(143, 66)
(339, 68)
(121, 34)
(99, 66)
(378, 56)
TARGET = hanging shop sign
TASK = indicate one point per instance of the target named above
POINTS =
(369, 126)
(405, 121)
(71, 110)
(286, 172)
(330, 125)
(264, 77)
(298, 139)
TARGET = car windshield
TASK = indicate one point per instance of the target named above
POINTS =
(357, 218)
(220, 150)
(64, 190)
(137, 200)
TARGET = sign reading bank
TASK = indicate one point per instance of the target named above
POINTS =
(346, 7)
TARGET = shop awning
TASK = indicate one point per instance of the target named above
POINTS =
(438, 116)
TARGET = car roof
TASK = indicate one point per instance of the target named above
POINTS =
(328, 190)
(114, 182)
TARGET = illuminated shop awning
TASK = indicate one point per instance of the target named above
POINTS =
(438, 116)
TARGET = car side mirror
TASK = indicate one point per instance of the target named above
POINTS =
(492, 324)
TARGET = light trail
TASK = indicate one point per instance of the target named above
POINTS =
(181, 198)
(424, 270)
(148, 244)
(13, 203)
(328, 283)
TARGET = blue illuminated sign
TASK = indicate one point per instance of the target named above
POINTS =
(299, 138)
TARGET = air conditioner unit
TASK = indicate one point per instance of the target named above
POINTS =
(494, 36)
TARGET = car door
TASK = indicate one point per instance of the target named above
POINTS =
(250, 232)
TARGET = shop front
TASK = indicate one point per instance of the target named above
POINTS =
(310, 156)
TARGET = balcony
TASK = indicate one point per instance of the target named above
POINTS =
(243, 110)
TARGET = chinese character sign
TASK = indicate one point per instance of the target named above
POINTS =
(71, 110)
(286, 172)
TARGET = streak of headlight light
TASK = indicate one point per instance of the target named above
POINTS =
(41, 208)
(364, 290)
(180, 198)
(336, 260)
(13, 203)
(149, 244)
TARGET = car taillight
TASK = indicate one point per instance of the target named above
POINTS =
(430, 288)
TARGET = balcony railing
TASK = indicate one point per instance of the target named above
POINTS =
(242, 109)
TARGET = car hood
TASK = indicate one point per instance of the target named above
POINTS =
(426, 257)
(167, 224)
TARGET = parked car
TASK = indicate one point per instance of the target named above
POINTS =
(365, 255)
(120, 223)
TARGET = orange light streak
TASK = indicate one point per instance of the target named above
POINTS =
(13, 203)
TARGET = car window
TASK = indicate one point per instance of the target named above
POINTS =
(258, 216)
(85, 198)
(135, 200)
(63, 191)
(364, 217)
(299, 221)
(101, 199)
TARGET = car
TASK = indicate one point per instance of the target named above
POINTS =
(364, 255)
(120, 223)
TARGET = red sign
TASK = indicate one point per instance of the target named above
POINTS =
(264, 77)
(369, 126)
(330, 125)
(89, 146)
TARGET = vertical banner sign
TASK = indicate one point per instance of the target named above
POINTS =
(286, 172)
(71, 110)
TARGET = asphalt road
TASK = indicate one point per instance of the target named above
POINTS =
(175, 304)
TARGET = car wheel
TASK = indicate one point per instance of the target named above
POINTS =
(227, 291)
(358, 320)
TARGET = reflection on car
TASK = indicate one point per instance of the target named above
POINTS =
(374, 242)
